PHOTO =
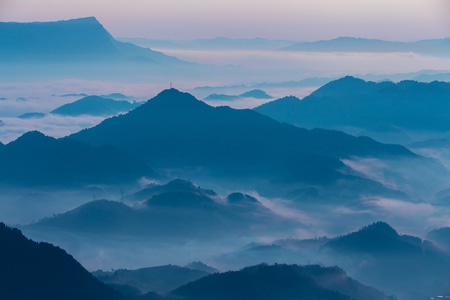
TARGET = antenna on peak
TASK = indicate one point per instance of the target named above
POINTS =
(171, 84)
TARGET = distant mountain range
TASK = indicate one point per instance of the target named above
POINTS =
(256, 94)
(95, 106)
(31, 270)
(340, 44)
(351, 44)
(375, 107)
(308, 82)
(218, 43)
(32, 115)
(77, 40)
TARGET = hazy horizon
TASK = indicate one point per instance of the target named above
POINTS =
(302, 20)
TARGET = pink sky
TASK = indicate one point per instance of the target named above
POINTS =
(402, 20)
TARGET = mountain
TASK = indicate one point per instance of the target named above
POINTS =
(98, 216)
(31, 270)
(35, 159)
(118, 96)
(32, 115)
(307, 82)
(198, 265)
(384, 106)
(256, 94)
(165, 215)
(351, 44)
(401, 264)
(278, 281)
(222, 97)
(175, 131)
(441, 237)
(173, 186)
(161, 279)
(404, 265)
(378, 238)
(95, 106)
(77, 40)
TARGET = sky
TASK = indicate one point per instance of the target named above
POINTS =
(301, 20)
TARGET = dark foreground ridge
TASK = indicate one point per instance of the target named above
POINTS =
(31, 270)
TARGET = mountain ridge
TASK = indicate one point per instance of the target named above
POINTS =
(30, 269)
(94, 106)
(66, 162)
(279, 281)
(438, 47)
(353, 102)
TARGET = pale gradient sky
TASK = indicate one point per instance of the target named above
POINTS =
(402, 20)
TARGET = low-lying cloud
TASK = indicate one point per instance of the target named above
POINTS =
(51, 125)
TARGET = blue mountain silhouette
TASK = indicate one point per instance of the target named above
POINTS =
(77, 40)
(354, 102)
(36, 159)
(175, 130)
(95, 106)
(31, 270)
(278, 281)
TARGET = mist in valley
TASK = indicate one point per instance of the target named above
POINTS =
(184, 177)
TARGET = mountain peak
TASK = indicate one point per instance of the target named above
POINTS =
(347, 84)
(381, 228)
(173, 100)
(32, 138)
(378, 237)
(175, 96)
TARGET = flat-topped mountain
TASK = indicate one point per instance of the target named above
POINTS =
(74, 40)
